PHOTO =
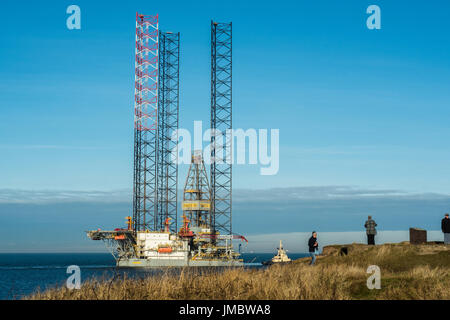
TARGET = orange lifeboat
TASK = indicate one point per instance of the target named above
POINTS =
(165, 250)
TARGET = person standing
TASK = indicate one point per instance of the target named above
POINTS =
(445, 226)
(370, 230)
(313, 247)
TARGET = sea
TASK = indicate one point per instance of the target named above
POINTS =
(22, 274)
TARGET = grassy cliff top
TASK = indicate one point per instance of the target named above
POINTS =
(390, 257)
(407, 272)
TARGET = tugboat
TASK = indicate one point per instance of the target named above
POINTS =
(280, 258)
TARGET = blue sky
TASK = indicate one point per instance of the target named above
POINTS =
(355, 107)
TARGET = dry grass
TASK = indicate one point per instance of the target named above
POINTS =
(406, 273)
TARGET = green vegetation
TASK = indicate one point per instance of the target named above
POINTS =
(407, 272)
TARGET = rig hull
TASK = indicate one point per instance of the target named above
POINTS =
(165, 249)
(158, 263)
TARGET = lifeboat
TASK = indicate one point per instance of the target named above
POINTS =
(165, 250)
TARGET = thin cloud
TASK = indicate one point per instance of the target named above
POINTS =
(280, 195)
(58, 196)
(297, 241)
(50, 147)
(330, 150)
(327, 193)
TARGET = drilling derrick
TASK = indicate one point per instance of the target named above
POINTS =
(169, 52)
(146, 123)
(221, 124)
(196, 197)
(205, 244)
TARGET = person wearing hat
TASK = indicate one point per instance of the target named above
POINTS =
(370, 230)
(313, 247)
(445, 226)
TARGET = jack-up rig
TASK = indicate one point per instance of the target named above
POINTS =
(152, 237)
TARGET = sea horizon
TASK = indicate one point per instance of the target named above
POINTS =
(293, 242)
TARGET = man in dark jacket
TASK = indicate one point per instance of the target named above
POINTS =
(370, 230)
(445, 226)
(313, 247)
